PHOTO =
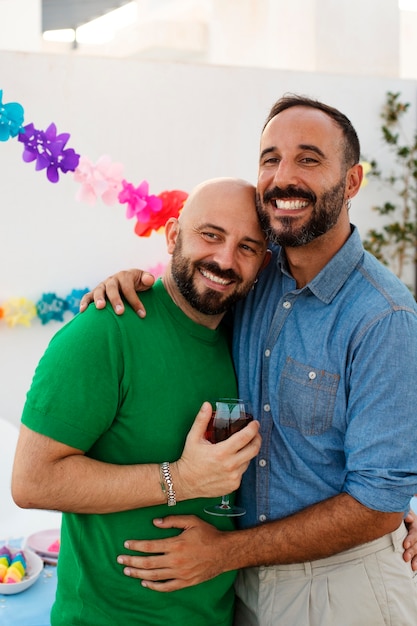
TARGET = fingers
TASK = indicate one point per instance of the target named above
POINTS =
(150, 546)
(236, 442)
(125, 283)
(410, 542)
(169, 585)
(108, 289)
(411, 557)
(248, 436)
(199, 427)
(205, 469)
(97, 296)
(175, 562)
(151, 570)
(128, 283)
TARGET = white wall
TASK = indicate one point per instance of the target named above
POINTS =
(20, 24)
(171, 124)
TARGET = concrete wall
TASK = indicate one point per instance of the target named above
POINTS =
(171, 124)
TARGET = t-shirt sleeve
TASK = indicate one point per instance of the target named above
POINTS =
(74, 393)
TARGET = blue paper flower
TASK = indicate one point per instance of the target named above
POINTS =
(48, 150)
(73, 299)
(11, 119)
(50, 307)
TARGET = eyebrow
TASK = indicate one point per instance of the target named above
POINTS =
(302, 146)
(259, 242)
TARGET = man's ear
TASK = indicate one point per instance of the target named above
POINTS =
(265, 262)
(354, 178)
(172, 228)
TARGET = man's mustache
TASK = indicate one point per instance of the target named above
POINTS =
(289, 192)
(226, 274)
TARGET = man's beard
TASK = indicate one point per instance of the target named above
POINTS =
(210, 302)
(326, 211)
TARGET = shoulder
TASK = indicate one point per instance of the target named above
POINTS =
(382, 286)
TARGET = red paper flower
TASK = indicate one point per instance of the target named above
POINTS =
(172, 203)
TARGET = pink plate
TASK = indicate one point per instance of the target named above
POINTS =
(40, 542)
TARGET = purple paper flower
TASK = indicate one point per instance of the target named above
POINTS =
(139, 203)
(11, 119)
(48, 150)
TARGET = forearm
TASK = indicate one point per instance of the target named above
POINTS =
(48, 474)
(78, 484)
(322, 530)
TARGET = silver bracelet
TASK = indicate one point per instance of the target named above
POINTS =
(166, 478)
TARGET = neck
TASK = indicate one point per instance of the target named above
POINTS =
(209, 321)
(305, 262)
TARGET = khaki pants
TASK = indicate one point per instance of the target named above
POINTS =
(369, 585)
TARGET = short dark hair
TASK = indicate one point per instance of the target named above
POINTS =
(352, 146)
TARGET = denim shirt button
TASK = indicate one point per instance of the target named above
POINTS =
(312, 375)
(262, 518)
(262, 462)
(267, 408)
(287, 305)
(267, 352)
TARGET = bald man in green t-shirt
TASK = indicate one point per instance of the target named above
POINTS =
(96, 428)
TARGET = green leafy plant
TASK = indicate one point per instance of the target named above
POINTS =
(395, 243)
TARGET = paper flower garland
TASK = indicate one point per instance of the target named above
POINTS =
(21, 311)
(101, 180)
(50, 307)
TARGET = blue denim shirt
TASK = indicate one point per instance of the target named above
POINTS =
(331, 370)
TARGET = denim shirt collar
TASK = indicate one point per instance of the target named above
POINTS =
(328, 282)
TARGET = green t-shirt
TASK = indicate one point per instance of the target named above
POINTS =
(126, 390)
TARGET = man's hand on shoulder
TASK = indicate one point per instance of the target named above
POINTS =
(125, 283)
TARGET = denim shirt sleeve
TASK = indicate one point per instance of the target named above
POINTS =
(381, 418)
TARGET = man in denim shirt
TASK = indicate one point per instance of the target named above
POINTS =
(326, 348)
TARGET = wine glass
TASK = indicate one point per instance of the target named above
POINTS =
(229, 416)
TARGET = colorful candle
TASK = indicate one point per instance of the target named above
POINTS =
(16, 569)
(5, 560)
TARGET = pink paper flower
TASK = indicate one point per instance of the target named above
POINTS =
(139, 203)
(100, 180)
(157, 270)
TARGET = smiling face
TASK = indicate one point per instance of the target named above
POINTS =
(217, 246)
(303, 180)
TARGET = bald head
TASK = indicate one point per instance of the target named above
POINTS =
(223, 194)
(217, 247)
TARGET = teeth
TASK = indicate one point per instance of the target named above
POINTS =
(290, 205)
(214, 278)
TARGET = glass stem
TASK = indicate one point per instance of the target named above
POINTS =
(225, 502)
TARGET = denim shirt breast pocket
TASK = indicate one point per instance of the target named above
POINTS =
(307, 397)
